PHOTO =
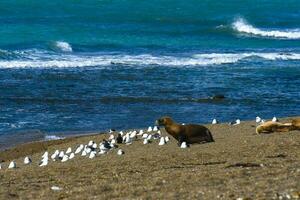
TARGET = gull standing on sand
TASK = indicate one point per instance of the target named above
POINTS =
(79, 149)
(44, 162)
(65, 158)
(274, 119)
(140, 132)
(27, 160)
(149, 129)
(167, 139)
(61, 155)
(145, 141)
(45, 155)
(111, 137)
(55, 155)
(120, 152)
(155, 128)
(257, 119)
(83, 153)
(162, 141)
(12, 165)
(72, 155)
(92, 154)
(69, 150)
(214, 121)
(149, 137)
(183, 145)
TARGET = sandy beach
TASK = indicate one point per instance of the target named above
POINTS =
(239, 164)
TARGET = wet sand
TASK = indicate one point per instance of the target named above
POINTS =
(239, 164)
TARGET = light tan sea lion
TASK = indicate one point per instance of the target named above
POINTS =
(296, 124)
(270, 127)
(190, 133)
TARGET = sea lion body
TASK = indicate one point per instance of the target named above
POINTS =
(296, 124)
(270, 127)
(190, 133)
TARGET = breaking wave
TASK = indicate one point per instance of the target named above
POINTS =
(242, 26)
(32, 59)
(63, 46)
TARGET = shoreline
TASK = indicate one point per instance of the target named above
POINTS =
(239, 164)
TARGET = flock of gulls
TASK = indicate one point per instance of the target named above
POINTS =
(92, 149)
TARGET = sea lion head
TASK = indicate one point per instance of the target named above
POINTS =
(164, 121)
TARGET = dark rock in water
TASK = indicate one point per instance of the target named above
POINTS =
(218, 97)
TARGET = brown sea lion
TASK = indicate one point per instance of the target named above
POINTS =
(296, 124)
(190, 133)
(270, 127)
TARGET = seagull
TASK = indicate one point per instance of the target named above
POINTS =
(27, 160)
(72, 155)
(44, 162)
(149, 137)
(121, 132)
(258, 119)
(102, 152)
(91, 142)
(183, 145)
(133, 135)
(54, 155)
(111, 137)
(167, 139)
(214, 121)
(145, 141)
(236, 122)
(61, 155)
(155, 128)
(88, 150)
(120, 152)
(145, 135)
(274, 119)
(65, 158)
(149, 129)
(12, 165)
(79, 149)
(94, 146)
(92, 154)
(111, 130)
(119, 139)
(162, 141)
(45, 154)
(128, 140)
(83, 153)
(69, 150)
(113, 141)
(140, 132)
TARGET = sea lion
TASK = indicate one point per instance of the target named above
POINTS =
(271, 126)
(190, 133)
(296, 124)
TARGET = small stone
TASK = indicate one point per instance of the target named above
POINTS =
(55, 188)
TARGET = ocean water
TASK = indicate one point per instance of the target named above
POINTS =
(75, 66)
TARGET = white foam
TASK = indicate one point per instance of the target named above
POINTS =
(63, 46)
(72, 61)
(242, 26)
(53, 137)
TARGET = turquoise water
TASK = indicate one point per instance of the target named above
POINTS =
(70, 66)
